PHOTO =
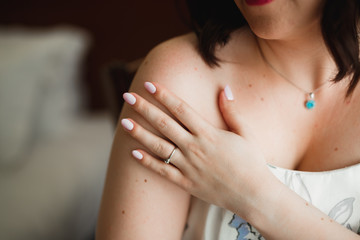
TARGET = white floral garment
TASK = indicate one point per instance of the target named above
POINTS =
(336, 193)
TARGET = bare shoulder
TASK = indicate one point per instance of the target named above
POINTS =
(175, 52)
(174, 63)
(177, 64)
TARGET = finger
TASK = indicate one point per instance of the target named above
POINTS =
(158, 119)
(180, 109)
(154, 143)
(230, 113)
(165, 170)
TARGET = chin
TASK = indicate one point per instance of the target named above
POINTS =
(261, 33)
(269, 31)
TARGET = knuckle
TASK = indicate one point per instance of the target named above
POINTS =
(162, 123)
(163, 172)
(162, 95)
(158, 148)
(210, 136)
(187, 185)
(143, 108)
(146, 111)
(137, 132)
(195, 149)
(134, 132)
(139, 104)
(179, 109)
(146, 162)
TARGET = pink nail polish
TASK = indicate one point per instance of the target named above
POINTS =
(228, 93)
(137, 154)
(150, 87)
(129, 98)
(127, 124)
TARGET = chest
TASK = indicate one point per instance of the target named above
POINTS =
(291, 136)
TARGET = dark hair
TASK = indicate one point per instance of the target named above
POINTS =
(214, 20)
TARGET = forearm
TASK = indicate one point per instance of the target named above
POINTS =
(279, 213)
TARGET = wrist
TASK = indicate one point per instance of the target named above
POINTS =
(264, 209)
(261, 196)
(264, 204)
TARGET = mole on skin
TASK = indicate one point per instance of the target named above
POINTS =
(145, 180)
(123, 212)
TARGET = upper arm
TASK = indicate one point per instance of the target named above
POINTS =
(138, 203)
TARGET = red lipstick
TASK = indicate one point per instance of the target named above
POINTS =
(257, 2)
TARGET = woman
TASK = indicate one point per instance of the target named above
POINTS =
(221, 109)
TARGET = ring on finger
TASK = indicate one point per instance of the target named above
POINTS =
(167, 160)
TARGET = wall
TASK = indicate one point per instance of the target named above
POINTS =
(121, 29)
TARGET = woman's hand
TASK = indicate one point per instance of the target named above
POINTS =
(221, 167)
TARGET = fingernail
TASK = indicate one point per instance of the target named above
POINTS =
(127, 124)
(129, 98)
(150, 87)
(137, 154)
(228, 93)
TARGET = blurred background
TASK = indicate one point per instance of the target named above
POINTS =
(63, 67)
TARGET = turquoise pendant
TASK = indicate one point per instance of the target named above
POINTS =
(310, 104)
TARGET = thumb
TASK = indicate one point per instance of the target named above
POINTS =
(231, 114)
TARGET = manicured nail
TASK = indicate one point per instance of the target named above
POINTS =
(137, 154)
(129, 98)
(127, 124)
(228, 93)
(150, 87)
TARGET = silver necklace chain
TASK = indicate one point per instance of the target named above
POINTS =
(310, 103)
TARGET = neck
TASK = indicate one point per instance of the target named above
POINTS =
(305, 61)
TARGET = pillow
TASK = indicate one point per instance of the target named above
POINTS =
(38, 87)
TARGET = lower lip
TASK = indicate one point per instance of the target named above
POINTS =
(257, 2)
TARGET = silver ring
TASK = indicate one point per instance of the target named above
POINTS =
(167, 161)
